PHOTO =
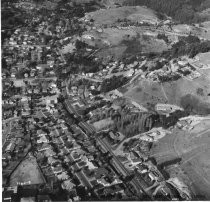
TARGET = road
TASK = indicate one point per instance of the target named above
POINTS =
(123, 170)
(71, 109)
(80, 174)
(90, 79)
(116, 161)
(22, 45)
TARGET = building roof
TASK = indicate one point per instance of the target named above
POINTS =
(68, 185)
(57, 169)
(43, 147)
(43, 198)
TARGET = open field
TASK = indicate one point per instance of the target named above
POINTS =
(27, 171)
(206, 30)
(133, 13)
(182, 92)
(124, 41)
(194, 150)
(204, 58)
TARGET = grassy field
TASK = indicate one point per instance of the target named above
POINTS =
(204, 58)
(27, 171)
(133, 13)
(194, 150)
(127, 41)
(206, 31)
(181, 92)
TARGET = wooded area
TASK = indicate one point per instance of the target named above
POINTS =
(183, 11)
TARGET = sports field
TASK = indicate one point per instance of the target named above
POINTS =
(27, 172)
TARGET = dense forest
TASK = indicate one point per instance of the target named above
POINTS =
(113, 83)
(190, 46)
(183, 11)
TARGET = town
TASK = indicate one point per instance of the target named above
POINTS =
(69, 132)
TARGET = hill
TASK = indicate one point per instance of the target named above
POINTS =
(133, 13)
(182, 92)
(183, 11)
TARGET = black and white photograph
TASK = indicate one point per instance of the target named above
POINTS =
(105, 100)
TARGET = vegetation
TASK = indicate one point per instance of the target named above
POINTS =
(131, 124)
(183, 11)
(194, 106)
(113, 83)
(164, 37)
(190, 46)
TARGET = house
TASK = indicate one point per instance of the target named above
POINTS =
(43, 147)
(8, 193)
(57, 141)
(40, 133)
(43, 198)
(58, 169)
(63, 151)
(63, 176)
(42, 139)
(52, 160)
(77, 153)
(152, 176)
(142, 168)
(64, 127)
(103, 182)
(10, 147)
(68, 185)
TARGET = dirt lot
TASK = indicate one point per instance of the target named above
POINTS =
(194, 150)
(27, 171)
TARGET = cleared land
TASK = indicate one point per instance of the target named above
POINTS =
(194, 150)
(182, 92)
(204, 58)
(27, 171)
(206, 30)
(118, 42)
(133, 13)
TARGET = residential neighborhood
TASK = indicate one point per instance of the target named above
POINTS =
(80, 122)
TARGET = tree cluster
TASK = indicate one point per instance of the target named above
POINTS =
(113, 83)
(190, 46)
(132, 124)
(183, 11)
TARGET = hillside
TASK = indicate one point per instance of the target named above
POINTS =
(183, 11)
(132, 13)
(182, 92)
(124, 42)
